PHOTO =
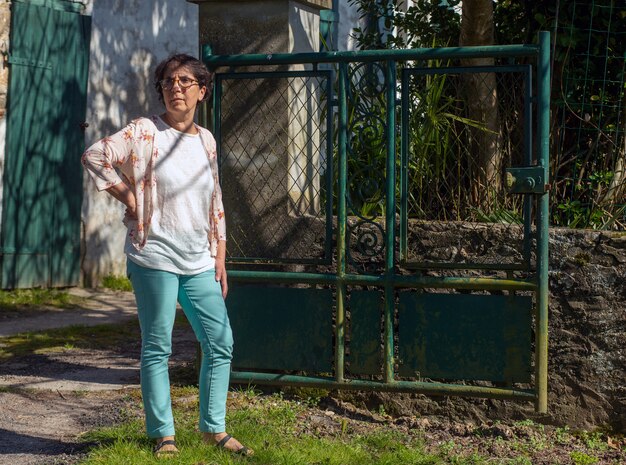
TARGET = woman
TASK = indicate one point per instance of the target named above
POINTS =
(164, 170)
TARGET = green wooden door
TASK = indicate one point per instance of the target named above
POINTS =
(42, 189)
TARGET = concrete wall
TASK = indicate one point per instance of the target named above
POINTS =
(348, 20)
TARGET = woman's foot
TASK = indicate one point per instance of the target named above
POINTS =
(165, 446)
(227, 442)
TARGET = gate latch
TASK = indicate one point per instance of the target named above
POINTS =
(526, 180)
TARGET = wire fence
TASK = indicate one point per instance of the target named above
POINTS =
(589, 115)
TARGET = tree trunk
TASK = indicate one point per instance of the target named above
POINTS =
(617, 188)
(482, 103)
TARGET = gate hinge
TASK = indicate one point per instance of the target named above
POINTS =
(526, 180)
(14, 60)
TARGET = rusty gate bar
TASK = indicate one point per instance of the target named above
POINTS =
(543, 211)
(341, 224)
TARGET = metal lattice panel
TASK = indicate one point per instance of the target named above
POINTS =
(273, 161)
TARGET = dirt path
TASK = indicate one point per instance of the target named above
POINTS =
(99, 307)
(44, 426)
(48, 400)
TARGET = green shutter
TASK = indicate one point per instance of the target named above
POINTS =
(42, 189)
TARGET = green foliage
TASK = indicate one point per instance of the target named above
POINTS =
(575, 214)
(24, 299)
(117, 283)
(580, 458)
(588, 95)
(307, 395)
(438, 131)
(588, 103)
(563, 435)
(594, 440)
(425, 23)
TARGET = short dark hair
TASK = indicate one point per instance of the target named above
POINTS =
(199, 71)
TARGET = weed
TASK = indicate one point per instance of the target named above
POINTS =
(117, 283)
(527, 422)
(521, 461)
(381, 410)
(447, 447)
(539, 442)
(580, 458)
(594, 440)
(563, 435)
(247, 393)
(307, 395)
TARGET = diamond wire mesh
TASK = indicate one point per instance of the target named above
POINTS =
(465, 128)
(277, 196)
(273, 166)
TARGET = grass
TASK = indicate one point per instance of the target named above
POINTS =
(34, 299)
(280, 430)
(117, 283)
(275, 427)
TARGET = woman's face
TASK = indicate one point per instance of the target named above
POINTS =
(181, 91)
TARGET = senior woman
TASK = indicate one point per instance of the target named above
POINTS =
(164, 170)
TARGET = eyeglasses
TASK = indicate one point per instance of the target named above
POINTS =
(184, 82)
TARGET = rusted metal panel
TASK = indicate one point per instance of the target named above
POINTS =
(365, 357)
(281, 328)
(465, 336)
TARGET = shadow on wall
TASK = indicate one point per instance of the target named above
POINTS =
(128, 40)
(269, 153)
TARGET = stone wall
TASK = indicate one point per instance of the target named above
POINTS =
(588, 328)
(587, 340)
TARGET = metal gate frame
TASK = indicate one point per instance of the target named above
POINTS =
(531, 180)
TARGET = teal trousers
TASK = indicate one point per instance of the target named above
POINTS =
(200, 296)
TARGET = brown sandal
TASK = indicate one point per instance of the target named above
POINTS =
(162, 453)
(242, 451)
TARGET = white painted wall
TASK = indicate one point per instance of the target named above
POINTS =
(348, 20)
(129, 37)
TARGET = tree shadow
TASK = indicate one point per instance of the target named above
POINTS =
(20, 443)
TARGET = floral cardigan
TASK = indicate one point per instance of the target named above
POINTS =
(130, 156)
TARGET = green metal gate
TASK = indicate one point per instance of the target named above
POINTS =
(368, 248)
(42, 188)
